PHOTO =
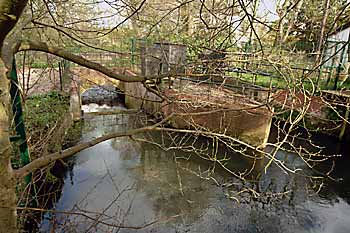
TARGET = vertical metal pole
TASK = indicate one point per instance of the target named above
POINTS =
(18, 119)
(318, 77)
(60, 74)
(133, 45)
(331, 67)
(339, 68)
(319, 59)
(23, 71)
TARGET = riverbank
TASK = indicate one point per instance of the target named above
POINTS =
(49, 128)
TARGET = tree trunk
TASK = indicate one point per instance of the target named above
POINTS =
(10, 11)
(323, 27)
(7, 183)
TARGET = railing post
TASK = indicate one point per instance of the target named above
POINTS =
(133, 47)
(339, 69)
(60, 75)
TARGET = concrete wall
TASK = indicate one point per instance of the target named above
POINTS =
(138, 97)
(238, 86)
(251, 126)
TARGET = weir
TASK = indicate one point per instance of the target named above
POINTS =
(207, 103)
(206, 108)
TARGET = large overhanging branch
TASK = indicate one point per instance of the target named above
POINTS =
(26, 45)
(10, 12)
(45, 160)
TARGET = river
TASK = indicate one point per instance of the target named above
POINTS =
(122, 185)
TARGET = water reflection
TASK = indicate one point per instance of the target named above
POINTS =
(123, 182)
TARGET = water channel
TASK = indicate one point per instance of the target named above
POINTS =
(134, 185)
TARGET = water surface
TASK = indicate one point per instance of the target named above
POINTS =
(125, 183)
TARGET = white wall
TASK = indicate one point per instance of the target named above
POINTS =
(341, 36)
(331, 48)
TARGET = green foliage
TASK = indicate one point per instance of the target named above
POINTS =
(42, 112)
(40, 65)
(263, 81)
(280, 83)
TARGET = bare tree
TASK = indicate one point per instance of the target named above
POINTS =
(213, 27)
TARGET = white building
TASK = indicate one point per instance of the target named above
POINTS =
(337, 48)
